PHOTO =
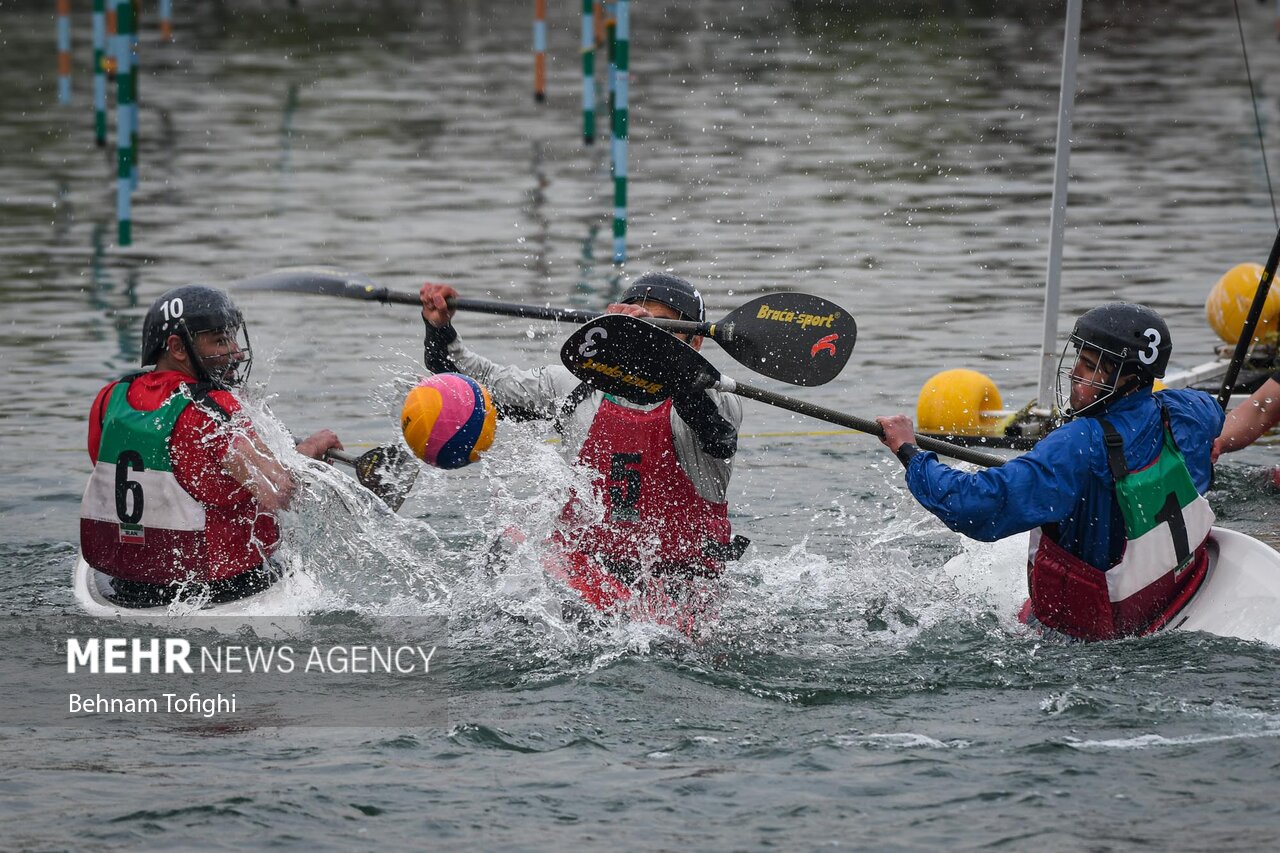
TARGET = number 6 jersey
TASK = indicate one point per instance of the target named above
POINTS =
(158, 507)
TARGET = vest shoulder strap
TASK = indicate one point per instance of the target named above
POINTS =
(1115, 450)
(1168, 428)
(200, 396)
(571, 403)
(126, 381)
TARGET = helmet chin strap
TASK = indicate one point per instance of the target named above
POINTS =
(197, 363)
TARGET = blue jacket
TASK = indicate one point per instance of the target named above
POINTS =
(1065, 479)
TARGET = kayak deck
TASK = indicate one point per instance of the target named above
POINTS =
(279, 609)
(1240, 596)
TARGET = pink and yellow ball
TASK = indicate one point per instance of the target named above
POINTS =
(448, 420)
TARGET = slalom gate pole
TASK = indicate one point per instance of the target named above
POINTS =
(99, 73)
(64, 51)
(619, 146)
(588, 73)
(539, 50)
(124, 117)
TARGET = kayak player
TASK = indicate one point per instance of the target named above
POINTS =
(1114, 496)
(182, 493)
(660, 472)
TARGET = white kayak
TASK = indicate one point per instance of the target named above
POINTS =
(1240, 596)
(278, 610)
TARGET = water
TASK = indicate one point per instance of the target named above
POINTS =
(896, 160)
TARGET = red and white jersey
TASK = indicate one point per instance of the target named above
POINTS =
(652, 513)
(179, 473)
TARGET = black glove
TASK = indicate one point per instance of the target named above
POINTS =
(435, 348)
(718, 437)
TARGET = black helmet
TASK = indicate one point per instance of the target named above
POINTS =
(670, 290)
(1134, 334)
(1133, 341)
(186, 311)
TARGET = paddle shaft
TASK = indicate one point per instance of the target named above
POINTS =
(822, 413)
(797, 338)
(339, 456)
(535, 312)
(1250, 324)
(541, 312)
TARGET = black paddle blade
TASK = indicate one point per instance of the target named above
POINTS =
(627, 357)
(389, 471)
(320, 281)
(792, 337)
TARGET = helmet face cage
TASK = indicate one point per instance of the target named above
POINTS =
(1105, 376)
(229, 370)
(190, 311)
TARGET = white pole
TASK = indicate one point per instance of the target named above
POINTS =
(1058, 219)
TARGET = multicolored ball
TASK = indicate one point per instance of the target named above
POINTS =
(448, 420)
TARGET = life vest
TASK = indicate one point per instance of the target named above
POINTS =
(137, 522)
(654, 522)
(1167, 523)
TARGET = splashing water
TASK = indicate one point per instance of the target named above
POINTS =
(481, 563)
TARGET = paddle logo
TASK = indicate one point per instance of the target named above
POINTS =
(826, 344)
(613, 371)
(591, 342)
(803, 320)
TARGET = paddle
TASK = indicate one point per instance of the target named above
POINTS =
(631, 358)
(1250, 324)
(792, 337)
(388, 471)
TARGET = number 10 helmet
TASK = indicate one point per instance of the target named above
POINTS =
(186, 312)
(1131, 340)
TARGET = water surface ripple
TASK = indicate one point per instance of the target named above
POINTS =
(895, 158)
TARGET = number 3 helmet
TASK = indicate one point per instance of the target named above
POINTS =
(1132, 340)
(186, 312)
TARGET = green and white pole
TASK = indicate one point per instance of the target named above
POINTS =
(64, 51)
(619, 146)
(588, 72)
(611, 39)
(135, 41)
(124, 120)
(99, 73)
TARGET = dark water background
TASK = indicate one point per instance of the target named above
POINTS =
(893, 157)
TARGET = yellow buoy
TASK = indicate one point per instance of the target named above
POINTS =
(1229, 301)
(958, 402)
